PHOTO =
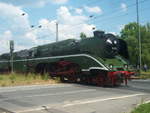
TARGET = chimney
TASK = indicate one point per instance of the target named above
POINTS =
(99, 34)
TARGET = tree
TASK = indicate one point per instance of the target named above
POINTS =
(130, 34)
(83, 35)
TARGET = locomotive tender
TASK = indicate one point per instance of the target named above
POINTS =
(101, 60)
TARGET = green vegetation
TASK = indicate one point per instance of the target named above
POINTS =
(143, 108)
(16, 79)
(145, 75)
(83, 35)
(130, 34)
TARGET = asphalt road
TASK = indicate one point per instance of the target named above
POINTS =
(73, 98)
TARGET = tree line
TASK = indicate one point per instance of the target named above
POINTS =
(130, 34)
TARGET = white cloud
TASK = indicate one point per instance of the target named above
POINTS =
(94, 9)
(123, 7)
(7, 35)
(28, 3)
(78, 11)
(12, 15)
(120, 27)
(16, 24)
(4, 40)
(114, 33)
(60, 1)
(40, 3)
(65, 17)
(70, 26)
(33, 3)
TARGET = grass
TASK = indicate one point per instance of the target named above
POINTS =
(17, 79)
(143, 108)
(145, 75)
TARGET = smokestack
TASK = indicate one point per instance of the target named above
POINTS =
(99, 34)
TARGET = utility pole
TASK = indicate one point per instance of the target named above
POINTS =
(56, 31)
(11, 55)
(139, 37)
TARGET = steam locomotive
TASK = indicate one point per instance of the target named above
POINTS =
(101, 60)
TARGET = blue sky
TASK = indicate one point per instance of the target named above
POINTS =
(73, 16)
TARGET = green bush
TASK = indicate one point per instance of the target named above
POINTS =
(1, 78)
(12, 78)
(45, 77)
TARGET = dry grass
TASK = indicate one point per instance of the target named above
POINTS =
(145, 75)
(16, 79)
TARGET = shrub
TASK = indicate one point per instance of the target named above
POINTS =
(45, 77)
(12, 78)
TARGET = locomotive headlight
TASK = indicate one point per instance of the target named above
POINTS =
(126, 66)
(115, 42)
(111, 66)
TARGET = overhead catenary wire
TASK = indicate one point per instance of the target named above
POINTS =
(102, 17)
(105, 19)
(87, 3)
(115, 23)
(118, 10)
(110, 19)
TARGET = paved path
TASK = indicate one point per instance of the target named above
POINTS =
(73, 98)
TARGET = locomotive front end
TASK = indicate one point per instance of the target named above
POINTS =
(117, 59)
(114, 55)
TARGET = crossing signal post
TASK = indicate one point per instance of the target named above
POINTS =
(11, 54)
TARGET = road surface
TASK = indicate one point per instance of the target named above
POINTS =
(73, 98)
